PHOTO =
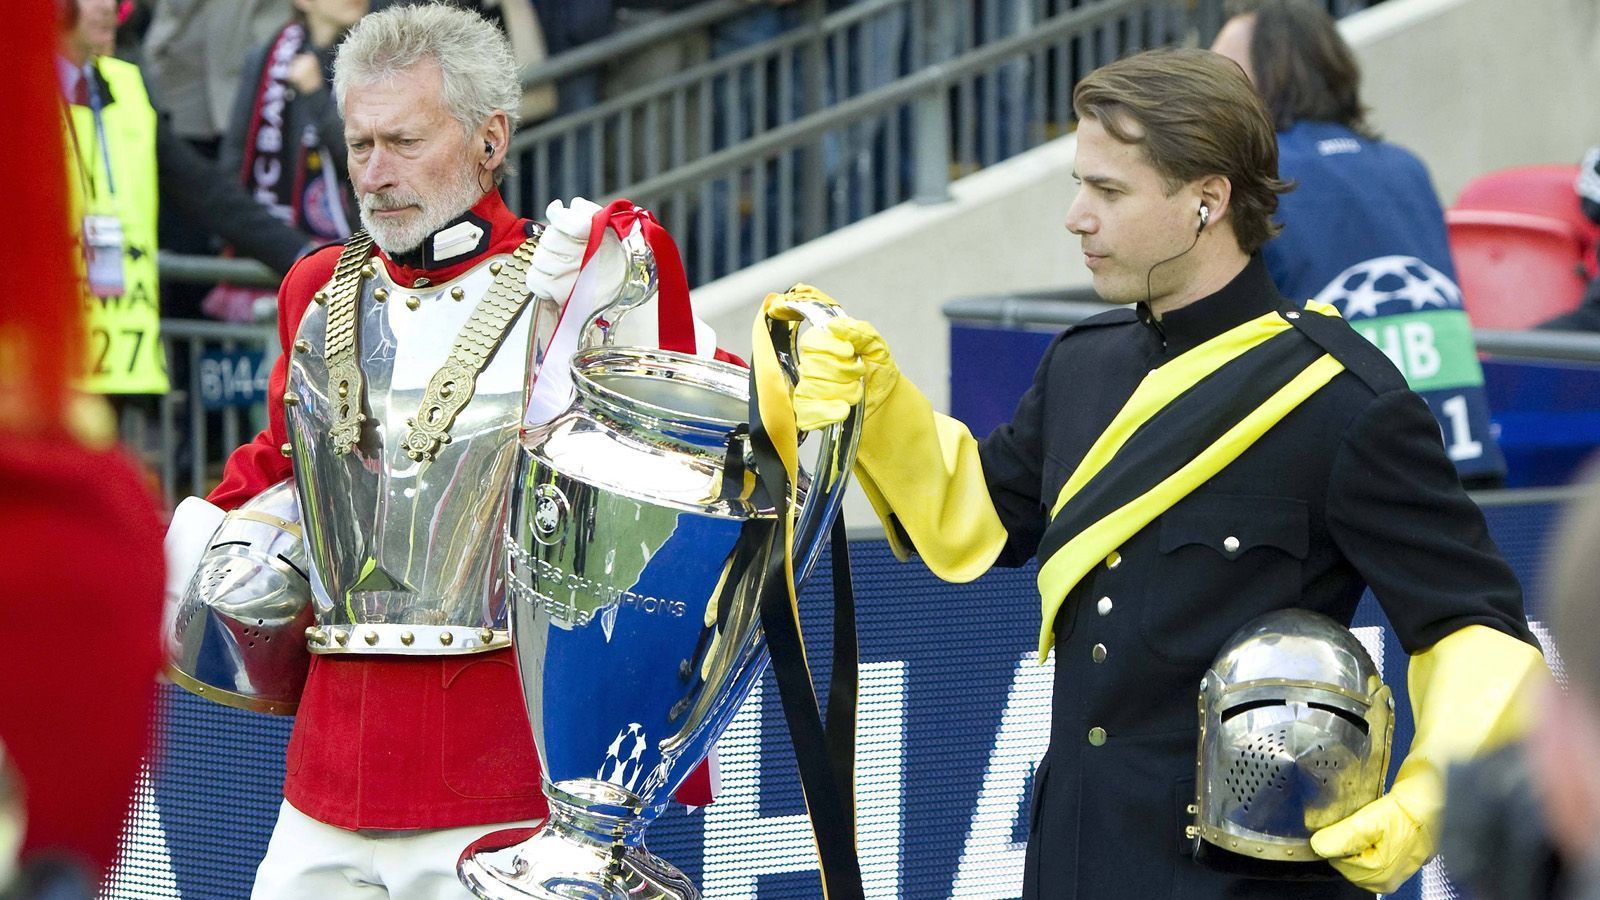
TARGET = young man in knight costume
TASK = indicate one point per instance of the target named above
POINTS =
(1179, 468)
(396, 408)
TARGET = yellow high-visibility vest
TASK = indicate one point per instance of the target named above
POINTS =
(124, 341)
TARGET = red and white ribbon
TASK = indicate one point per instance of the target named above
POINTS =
(675, 325)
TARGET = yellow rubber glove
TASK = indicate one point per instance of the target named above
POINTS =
(840, 365)
(919, 469)
(1466, 699)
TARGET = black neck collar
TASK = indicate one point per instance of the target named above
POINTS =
(462, 238)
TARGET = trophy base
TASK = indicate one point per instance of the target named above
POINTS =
(557, 864)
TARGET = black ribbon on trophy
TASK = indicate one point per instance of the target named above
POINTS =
(824, 750)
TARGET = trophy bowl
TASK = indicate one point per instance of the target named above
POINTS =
(637, 550)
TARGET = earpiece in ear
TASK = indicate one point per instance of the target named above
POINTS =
(1205, 217)
(488, 148)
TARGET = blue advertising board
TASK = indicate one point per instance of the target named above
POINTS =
(953, 717)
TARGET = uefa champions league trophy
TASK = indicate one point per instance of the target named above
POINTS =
(637, 553)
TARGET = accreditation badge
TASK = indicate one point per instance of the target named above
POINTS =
(102, 248)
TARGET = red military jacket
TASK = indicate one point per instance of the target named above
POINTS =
(401, 742)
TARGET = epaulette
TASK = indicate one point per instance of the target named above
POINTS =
(1357, 354)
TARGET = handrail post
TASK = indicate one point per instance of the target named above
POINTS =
(813, 197)
(930, 129)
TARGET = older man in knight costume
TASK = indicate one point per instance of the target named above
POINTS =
(396, 405)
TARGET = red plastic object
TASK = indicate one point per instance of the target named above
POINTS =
(1515, 269)
(1544, 190)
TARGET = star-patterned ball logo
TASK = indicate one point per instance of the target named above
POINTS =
(1362, 289)
(546, 515)
(549, 514)
(624, 758)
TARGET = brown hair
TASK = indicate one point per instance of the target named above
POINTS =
(1197, 115)
(1302, 65)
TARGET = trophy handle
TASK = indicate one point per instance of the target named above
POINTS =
(639, 284)
(836, 452)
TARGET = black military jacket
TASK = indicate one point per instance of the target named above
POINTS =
(1350, 489)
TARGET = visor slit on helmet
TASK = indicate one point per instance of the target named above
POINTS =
(290, 563)
(1243, 708)
(1344, 714)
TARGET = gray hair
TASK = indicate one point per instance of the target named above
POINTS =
(480, 71)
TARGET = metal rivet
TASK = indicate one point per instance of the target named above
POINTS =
(457, 293)
(447, 639)
(1098, 653)
(1291, 315)
(486, 635)
(1230, 544)
(1191, 809)
(413, 302)
(291, 400)
(367, 271)
(407, 638)
(1114, 560)
(316, 635)
(1104, 606)
(1097, 736)
(302, 346)
(370, 637)
(320, 297)
(286, 448)
(494, 268)
(421, 282)
(344, 389)
(341, 638)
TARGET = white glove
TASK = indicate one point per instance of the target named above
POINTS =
(554, 269)
(194, 523)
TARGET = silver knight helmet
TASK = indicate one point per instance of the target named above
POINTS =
(1295, 725)
(239, 634)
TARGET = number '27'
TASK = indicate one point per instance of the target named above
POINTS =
(101, 347)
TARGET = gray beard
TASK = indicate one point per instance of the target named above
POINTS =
(436, 212)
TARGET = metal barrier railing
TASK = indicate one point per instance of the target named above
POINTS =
(832, 117)
(219, 386)
(191, 269)
(835, 117)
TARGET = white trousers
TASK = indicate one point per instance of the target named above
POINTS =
(311, 859)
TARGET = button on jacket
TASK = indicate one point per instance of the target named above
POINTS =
(1352, 488)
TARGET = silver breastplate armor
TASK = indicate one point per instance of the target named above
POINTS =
(404, 464)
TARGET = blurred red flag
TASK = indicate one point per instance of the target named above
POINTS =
(79, 533)
(40, 334)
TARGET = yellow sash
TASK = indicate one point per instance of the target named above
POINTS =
(1059, 574)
